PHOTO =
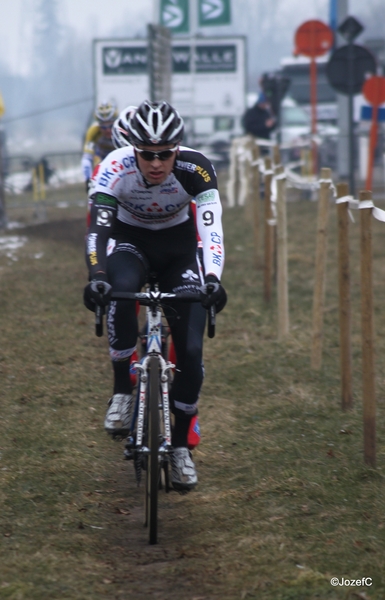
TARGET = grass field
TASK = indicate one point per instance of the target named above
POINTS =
(284, 501)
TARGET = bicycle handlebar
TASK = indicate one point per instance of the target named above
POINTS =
(153, 298)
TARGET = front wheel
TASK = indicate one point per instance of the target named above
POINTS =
(152, 474)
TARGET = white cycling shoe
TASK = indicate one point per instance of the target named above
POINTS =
(118, 416)
(183, 473)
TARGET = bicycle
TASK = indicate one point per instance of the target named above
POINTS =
(149, 440)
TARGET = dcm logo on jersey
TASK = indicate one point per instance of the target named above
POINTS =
(116, 167)
(106, 177)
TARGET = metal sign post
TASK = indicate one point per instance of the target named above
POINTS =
(312, 39)
(159, 62)
(374, 92)
(346, 70)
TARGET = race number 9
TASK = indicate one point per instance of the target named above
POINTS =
(208, 217)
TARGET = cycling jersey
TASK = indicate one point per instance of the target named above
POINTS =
(97, 145)
(96, 142)
(121, 196)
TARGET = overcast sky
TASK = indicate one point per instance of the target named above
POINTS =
(58, 72)
(271, 21)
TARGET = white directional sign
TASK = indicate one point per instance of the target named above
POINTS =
(214, 12)
(174, 14)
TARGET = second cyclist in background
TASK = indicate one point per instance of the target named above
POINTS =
(98, 141)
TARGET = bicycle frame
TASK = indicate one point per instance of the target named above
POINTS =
(154, 348)
(149, 440)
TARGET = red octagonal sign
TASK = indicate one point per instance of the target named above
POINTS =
(313, 38)
(374, 90)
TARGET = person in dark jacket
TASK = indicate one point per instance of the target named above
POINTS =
(259, 120)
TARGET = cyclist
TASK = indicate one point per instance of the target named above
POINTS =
(98, 142)
(141, 222)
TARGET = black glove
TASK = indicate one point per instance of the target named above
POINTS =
(97, 291)
(213, 293)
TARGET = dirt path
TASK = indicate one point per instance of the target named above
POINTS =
(284, 502)
(106, 511)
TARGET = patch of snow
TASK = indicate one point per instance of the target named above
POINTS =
(10, 244)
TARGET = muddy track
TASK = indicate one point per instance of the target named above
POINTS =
(173, 569)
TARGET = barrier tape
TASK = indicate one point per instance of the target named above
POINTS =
(352, 203)
(377, 213)
(273, 197)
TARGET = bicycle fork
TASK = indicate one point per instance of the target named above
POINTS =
(138, 448)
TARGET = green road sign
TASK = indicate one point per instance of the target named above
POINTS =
(214, 12)
(174, 14)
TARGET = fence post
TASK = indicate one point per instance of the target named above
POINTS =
(35, 188)
(249, 177)
(320, 270)
(256, 178)
(276, 156)
(344, 298)
(3, 215)
(282, 278)
(367, 326)
(269, 233)
(306, 166)
(244, 169)
(232, 183)
(41, 181)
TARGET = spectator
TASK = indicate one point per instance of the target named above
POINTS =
(259, 120)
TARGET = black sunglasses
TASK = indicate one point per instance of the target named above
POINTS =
(150, 156)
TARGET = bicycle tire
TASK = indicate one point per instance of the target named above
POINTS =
(153, 474)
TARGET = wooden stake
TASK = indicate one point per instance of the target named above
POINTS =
(249, 177)
(256, 200)
(232, 183)
(35, 185)
(282, 278)
(41, 181)
(368, 385)
(269, 232)
(344, 298)
(276, 156)
(320, 271)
